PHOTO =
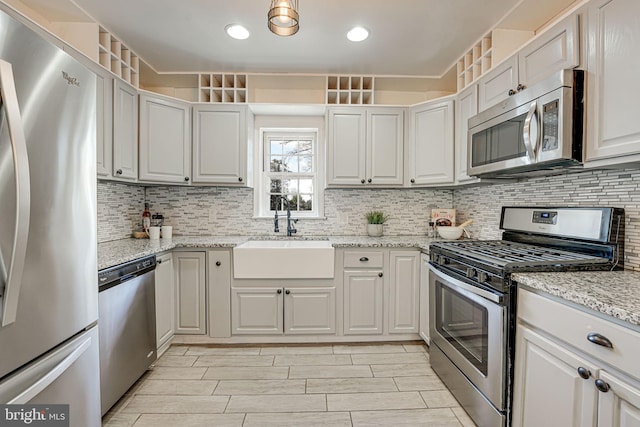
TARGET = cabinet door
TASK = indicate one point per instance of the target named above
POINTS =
(256, 311)
(431, 144)
(104, 125)
(310, 311)
(125, 131)
(189, 273)
(556, 49)
(220, 144)
(385, 146)
(424, 299)
(466, 107)
(404, 292)
(165, 139)
(165, 303)
(495, 86)
(219, 292)
(613, 84)
(620, 406)
(346, 147)
(363, 304)
(548, 391)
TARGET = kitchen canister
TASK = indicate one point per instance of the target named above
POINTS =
(154, 233)
(167, 231)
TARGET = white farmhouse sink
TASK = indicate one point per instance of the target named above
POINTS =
(283, 259)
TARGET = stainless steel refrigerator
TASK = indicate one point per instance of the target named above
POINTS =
(48, 268)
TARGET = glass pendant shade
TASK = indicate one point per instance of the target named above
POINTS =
(284, 17)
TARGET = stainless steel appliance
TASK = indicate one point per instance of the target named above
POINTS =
(127, 326)
(532, 132)
(472, 297)
(48, 262)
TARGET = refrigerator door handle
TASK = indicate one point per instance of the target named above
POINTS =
(13, 276)
(27, 385)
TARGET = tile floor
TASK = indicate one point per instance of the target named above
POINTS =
(293, 385)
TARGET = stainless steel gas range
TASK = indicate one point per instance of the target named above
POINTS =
(473, 300)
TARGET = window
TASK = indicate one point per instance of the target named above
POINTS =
(289, 173)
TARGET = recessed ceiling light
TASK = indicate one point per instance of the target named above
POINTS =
(237, 31)
(357, 34)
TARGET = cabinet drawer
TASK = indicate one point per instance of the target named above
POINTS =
(363, 259)
(572, 326)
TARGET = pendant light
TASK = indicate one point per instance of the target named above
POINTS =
(283, 17)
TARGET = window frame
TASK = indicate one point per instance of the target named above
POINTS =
(313, 128)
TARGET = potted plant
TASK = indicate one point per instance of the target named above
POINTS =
(375, 219)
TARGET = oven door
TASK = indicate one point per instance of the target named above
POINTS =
(468, 324)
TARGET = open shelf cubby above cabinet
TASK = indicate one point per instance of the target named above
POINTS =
(476, 62)
(350, 90)
(222, 87)
(118, 58)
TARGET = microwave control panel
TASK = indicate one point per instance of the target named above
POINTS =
(545, 217)
(550, 126)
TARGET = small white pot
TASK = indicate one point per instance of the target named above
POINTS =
(374, 230)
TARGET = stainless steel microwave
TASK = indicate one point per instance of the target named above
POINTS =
(532, 132)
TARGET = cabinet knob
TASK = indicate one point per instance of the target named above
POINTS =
(380, 274)
(512, 92)
(159, 261)
(362, 181)
(584, 373)
(520, 87)
(364, 259)
(600, 340)
(369, 180)
(602, 386)
(239, 179)
(218, 263)
(287, 292)
(279, 291)
(119, 172)
(186, 179)
(413, 181)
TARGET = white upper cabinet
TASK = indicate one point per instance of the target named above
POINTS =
(466, 107)
(220, 141)
(104, 124)
(365, 147)
(165, 139)
(613, 128)
(125, 131)
(555, 49)
(431, 146)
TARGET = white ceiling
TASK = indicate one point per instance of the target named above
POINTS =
(408, 37)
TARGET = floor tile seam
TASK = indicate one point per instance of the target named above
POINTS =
(227, 405)
(213, 392)
(456, 416)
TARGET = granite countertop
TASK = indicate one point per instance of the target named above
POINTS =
(119, 251)
(614, 293)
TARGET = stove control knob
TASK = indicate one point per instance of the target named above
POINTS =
(482, 277)
(471, 273)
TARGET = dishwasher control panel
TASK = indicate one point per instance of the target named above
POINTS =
(123, 272)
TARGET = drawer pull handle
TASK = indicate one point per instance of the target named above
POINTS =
(584, 373)
(364, 259)
(600, 340)
(602, 386)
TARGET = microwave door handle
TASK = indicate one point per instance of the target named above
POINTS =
(526, 132)
(12, 274)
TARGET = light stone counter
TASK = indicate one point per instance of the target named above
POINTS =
(120, 251)
(614, 293)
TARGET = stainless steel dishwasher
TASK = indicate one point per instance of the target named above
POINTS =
(127, 326)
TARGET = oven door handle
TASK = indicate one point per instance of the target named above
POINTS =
(459, 285)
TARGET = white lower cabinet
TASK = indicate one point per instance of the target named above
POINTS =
(310, 311)
(404, 291)
(564, 377)
(165, 302)
(363, 302)
(219, 292)
(423, 329)
(256, 311)
(289, 309)
(190, 290)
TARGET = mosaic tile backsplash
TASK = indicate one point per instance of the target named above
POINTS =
(229, 211)
(615, 188)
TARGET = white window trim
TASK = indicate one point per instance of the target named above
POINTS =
(288, 125)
